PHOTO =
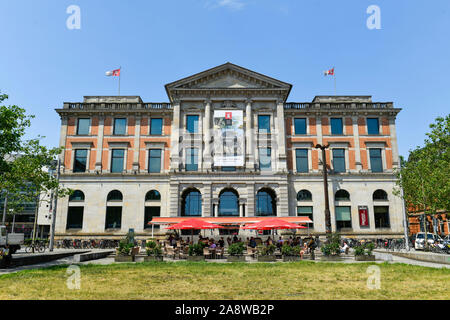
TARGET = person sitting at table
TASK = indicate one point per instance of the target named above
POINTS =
(252, 243)
(221, 242)
(212, 245)
(280, 242)
(269, 241)
(235, 239)
(303, 251)
(229, 240)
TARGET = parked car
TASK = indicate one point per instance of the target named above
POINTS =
(420, 240)
(13, 240)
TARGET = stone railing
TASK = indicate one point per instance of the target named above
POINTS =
(368, 105)
(118, 106)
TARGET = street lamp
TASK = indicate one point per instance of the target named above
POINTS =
(325, 186)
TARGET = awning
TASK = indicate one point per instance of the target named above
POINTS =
(227, 220)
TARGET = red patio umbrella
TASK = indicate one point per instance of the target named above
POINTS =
(271, 224)
(194, 224)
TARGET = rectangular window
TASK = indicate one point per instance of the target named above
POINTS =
(83, 127)
(376, 161)
(192, 159)
(373, 126)
(343, 218)
(120, 126)
(306, 212)
(265, 158)
(336, 126)
(75, 218)
(228, 169)
(229, 230)
(301, 156)
(339, 160)
(80, 162)
(192, 124)
(154, 160)
(113, 218)
(117, 160)
(156, 127)
(150, 213)
(264, 124)
(381, 217)
(300, 125)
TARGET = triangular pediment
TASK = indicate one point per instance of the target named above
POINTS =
(228, 76)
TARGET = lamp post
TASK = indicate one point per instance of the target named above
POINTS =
(325, 186)
(52, 227)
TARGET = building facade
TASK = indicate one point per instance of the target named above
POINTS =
(227, 144)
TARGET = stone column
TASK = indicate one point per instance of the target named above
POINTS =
(98, 160)
(175, 141)
(393, 132)
(216, 208)
(241, 209)
(62, 139)
(280, 127)
(137, 138)
(207, 136)
(357, 145)
(249, 133)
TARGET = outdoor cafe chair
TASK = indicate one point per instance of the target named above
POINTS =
(251, 252)
(206, 252)
(170, 252)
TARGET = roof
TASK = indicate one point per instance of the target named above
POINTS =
(228, 220)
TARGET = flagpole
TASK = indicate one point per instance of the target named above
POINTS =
(120, 71)
(334, 76)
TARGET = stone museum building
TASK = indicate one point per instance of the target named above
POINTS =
(229, 148)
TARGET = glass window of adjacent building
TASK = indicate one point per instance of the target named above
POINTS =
(301, 157)
(300, 125)
(376, 161)
(120, 126)
(192, 159)
(80, 160)
(83, 126)
(343, 218)
(156, 127)
(305, 211)
(264, 124)
(381, 217)
(75, 218)
(192, 123)
(373, 126)
(339, 160)
(113, 218)
(336, 126)
(154, 160)
(265, 158)
(117, 160)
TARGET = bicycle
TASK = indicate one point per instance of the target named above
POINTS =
(36, 247)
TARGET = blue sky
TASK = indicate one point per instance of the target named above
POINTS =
(407, 61)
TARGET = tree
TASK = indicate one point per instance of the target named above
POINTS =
(424, 177)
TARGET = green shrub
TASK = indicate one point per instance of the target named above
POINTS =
(196, 249)
(359, 250)
(365, 249)
(287, 250)
(269, 250)
(153, 249)
(332, 245)
(236, 249)
(124, 248)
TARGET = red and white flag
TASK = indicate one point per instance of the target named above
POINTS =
(114, 73)
(329, 72)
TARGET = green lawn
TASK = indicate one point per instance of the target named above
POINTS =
(216, 281)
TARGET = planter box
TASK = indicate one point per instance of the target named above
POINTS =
(331, 258)
(270, 258)
(195, 258)
(291, 258)
(153, 258)
(365, 258)
(121, 258)
(236, 259)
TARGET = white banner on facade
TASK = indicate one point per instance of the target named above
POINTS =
(229, 138)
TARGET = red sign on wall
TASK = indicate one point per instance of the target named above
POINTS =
(228, 115)
(363, 216)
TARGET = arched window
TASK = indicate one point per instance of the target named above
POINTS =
(266, 203)
(380, 195)
(77, 196)
(229, 203)
(191, 203)
(342, 195)
(153, 195)
(115, 195)
(304, 195)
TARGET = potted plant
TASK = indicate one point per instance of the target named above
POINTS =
(364, 252)
(154, 252)
(123, 252)
(331, 249)
(290, 253)
(196, 252)
(267, 254)
(236, 252)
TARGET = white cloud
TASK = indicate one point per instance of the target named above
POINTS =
(230, 4)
